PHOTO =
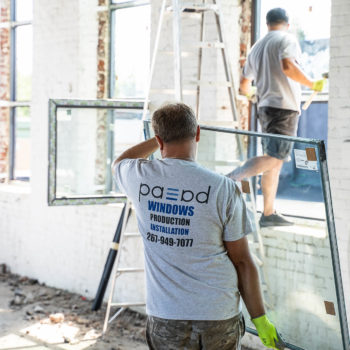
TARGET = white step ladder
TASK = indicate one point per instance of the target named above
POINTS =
(118, 271)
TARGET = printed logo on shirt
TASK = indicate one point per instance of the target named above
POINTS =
(174, 194)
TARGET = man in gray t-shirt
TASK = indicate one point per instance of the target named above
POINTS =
(273, 65)
(194, 224)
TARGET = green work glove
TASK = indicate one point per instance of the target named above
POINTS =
(251, 95)
(318, 85)
(268, 333)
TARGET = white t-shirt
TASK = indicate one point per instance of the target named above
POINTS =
(264, 66)
(185, 212)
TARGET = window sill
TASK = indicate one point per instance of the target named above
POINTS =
(17, 187)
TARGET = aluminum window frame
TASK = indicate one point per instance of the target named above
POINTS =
(54, 104)
(112, 7)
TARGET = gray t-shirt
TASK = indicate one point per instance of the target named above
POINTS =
(185, 212)
(264, 65)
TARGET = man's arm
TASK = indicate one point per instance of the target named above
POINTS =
(292, 70)
(248, 277)
(141, 150)
(245, 86)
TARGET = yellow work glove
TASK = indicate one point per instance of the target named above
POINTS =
(267, 333)
(251, 95)
(318, 85)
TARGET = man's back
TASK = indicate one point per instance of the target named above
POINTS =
(263, 65)
(184, 213)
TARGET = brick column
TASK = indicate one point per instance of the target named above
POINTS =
(102, 92)
(244, 46)
(4, 86)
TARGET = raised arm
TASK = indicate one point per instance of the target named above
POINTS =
(142, 150)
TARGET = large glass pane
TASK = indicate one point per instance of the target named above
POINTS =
(88, 140)
(131, 47)
(305, 17)
(24, 54)
(24, 10)
(298, 264)
(296, 260)
(22, 143)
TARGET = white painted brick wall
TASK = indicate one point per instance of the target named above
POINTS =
(65, 247)
(339, 132)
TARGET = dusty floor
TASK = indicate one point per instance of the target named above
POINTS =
(36, 317)
(25, 322)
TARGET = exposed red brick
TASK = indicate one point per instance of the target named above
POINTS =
(5, 85)
(102, 53)
(245, 40)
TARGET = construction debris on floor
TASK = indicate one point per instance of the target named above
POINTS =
(35, 316)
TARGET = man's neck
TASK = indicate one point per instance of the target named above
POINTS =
(185, 151)
(281, 26)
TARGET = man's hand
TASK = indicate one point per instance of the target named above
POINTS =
(251, 95)
(318, 85)
(268, 333)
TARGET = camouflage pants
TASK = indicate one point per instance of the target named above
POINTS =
(163, 334)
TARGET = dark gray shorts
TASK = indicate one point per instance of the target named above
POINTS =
(163, 334)
(278, 121)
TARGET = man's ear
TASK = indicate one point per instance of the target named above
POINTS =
(198, 134)
(160, 142)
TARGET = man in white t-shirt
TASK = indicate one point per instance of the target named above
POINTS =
(194, 224)
(273, 65)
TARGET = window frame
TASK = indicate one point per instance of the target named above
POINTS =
(12, 103)
(112, 8)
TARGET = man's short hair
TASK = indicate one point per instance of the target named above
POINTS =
(174, 122)
(277, 16)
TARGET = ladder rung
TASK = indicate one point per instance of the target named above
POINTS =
(130, 269)
(191, 7)
(172, 92)
(210, 45)
(184, 53)
(209, 83)
(141, 303)
(132, 234)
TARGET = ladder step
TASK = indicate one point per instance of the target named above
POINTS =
(141, 303)
(210, 45)
(191, 7)
(132, 234)
(130, 269)
(184, 53)
(172, 92)
(209, 83)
